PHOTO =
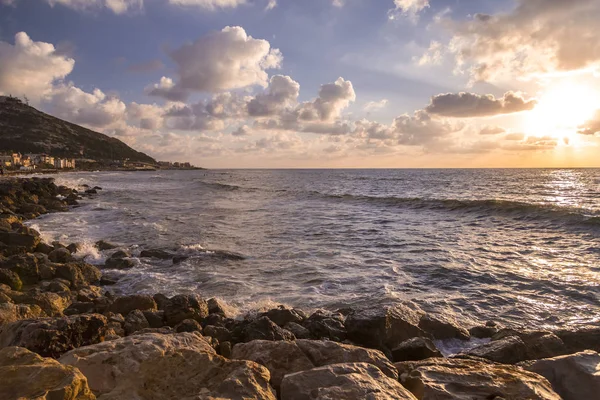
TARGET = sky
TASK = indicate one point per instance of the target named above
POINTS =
(317, 83)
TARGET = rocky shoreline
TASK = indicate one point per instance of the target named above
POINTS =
(64, 335)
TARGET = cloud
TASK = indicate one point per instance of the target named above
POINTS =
(31, 68)
(592, 126)
(223, 60)
(533, 143)
(91, 109)
(535, 37)
(243, 130)
(467, 105)
(514, 136)
(116, 6)
(146, 116)
(332, 100)
(166, 89)
(209, 4)
(149, 66)
(410, 8)
(207, 115)
(281, 94)
(491, 130)
(271, 5)
(375, 105)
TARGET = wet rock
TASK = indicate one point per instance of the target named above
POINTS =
(178, 366)
(325, 325)
(225, 349)
(26, 375)
(582, 339)
(119, 263)
(15, 239)
(156, 319)
(156, 253)
(74, 247)
(108, 281)
(79, 273)
(60, 256)
(135, 321)
(347, 381)
(440, 378)
(509, 350)
(10, 278)
(264, 329)
(188, 325)
(43, 248)
(539, 344)
(440, 328)
(218, 332)
(285, 357)
(125, 304)
(385, 328)
(51, 337)
(10, 312)
(161, 300)
(573, 377)
(182, 307)
(215, 307)
(483, 332)
(298, 330)
(415, 349)
(103, 245)
(283, 315)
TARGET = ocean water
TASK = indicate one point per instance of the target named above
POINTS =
(521, 247)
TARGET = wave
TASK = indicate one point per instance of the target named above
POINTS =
(521, 210)
(217, 185)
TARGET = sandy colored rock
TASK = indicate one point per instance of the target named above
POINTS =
(286, 357)
(177, 366)
(26, 375)
(10, 312)
(459, 379)
(343, 381)
(573, 377)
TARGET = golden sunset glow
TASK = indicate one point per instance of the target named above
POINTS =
(561, 110)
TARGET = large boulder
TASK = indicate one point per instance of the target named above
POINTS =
(346, 381)
(10, 278)
(24, 265)
(443, 327)
(162, 367)
(26, 240)
(135, 321)
(326, 325)
(264, 329)
(284, 357)
(125, 304)
(60, 256)
(79, 273)
(509, 350)
(51, 337)
(283, 315)
(573, 377)
(384, 328)
(576, 340)
(415, 349)
(181, 307)
(10, 312)
(26, 375)
(539, 344)
(450, 379)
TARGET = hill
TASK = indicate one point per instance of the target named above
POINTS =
(26, 130)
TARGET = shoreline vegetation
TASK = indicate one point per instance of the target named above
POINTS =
(65, 335)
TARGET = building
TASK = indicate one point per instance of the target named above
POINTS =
(5, 160)
(16, 159)
(26, 162)
(62, 163)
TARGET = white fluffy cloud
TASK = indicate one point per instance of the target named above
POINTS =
(409, 8)
(166, 89)
(467, 105)
(281, 94)
(207, 115)
(224, 60)
(31, 68)
(333, 99)
(375, 105)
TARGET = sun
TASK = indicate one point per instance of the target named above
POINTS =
(561, 110)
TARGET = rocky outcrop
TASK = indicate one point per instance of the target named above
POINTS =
(177, 366)
(125, 304)
(10, 312)
(26, 375)
(264, 329)
(509, 350)
(415, 349)
(585, 338)
(284, 357)
(440, 327)
(449, 379)
(51, 337)
(573, 377)
(326, 325)
(181, 307)
(347, 381)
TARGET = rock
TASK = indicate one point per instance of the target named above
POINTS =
(56, 285)
(135, 321)
(177, 366)
(79, 273)
(108, 281)
(218, 332)
(283, 357)
(225, 349)
(125, 304)
(298, 330)
(156, 319)
(161, 300)
(103, 245)
(10, 312)
(182, 307)
(215, 307)
(156, 253)
(52, 304)
(74, 247)
(539, 344)
(573, 377)
(446, 379)
(90, 293)
(347, 381)
(119, 263)
(325, 325)
(385, 328)
(509, 350)
(587, 338)
(264, 329)
(283, 315)
(415, 349)
(442, 328)
(24, 265)
(26, 375)
(43, 248)
(60, 256)
(120, 254)
(14, 239)
(10, 278)
(483, 332)
(188, 325)
(51, 337)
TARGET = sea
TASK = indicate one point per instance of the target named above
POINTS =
(517, 246)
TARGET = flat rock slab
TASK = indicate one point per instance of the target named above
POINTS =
(286, 357)
(347, 381)
(573, 377)
(161, 367)
(459, 379)
(26, 375)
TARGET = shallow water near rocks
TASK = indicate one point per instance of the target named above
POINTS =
(521, 247)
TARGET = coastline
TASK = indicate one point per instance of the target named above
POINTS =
(62, 308)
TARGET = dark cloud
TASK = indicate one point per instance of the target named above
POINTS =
(468, 105)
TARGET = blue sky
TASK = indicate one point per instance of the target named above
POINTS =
(396, 54)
